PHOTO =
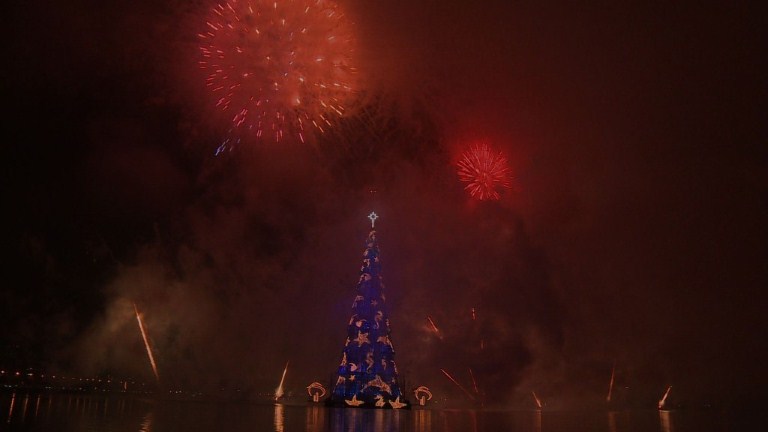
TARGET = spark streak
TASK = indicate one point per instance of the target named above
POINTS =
(664, 398)
(536, 398)
(610, 386)
(474, 383)
(279, 390)
(469, 395)
(146, 342)
(434, 328)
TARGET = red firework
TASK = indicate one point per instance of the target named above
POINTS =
(278, 66)
(484, 169)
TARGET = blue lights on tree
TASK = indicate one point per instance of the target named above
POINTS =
(367, 376)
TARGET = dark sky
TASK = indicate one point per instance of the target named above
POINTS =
(636, 231)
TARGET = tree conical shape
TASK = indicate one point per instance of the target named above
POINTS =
(367, 375)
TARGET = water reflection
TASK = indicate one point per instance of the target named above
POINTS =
(665, 418)
(10, 411)
(37, 405)
(77, 412)
(473, 416)
(315, 418)
(146, 424)
(356, 420)
(612, 421)
(279, 418)
(24, 410)
(39, 411)
(422, 420)
(619, 421)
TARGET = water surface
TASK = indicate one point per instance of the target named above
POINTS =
(115, 413)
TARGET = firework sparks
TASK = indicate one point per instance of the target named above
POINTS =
(434, 328)
(279, 390)
(536, 398)
(484, 170)
(278, 67)
(610, 385)
(469, 395)
(474, 382)
(663, 399)
(146, 342)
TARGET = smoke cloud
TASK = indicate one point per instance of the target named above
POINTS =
(634, 234)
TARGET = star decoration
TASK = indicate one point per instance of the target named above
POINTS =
(354, 402)
(362, 338)
(377, 382)
(396, 404)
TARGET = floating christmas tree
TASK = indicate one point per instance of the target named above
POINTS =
(367, 376)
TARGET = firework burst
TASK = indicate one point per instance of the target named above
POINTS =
(484, 171)
(278, 67)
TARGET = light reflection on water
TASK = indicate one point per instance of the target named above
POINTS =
(146, 425)
(666, 421)
(612, 421)
(115, 413)
(279, 418)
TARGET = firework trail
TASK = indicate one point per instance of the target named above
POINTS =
(664, 398)
(434, 328)
(536, 398)
(610, 385)
(279, 390)
(146, 342)
(469, 395)
(474, 383)
(484, 170)
(278, 67)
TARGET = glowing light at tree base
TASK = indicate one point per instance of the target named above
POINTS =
(316, 391)
(146, 342)
(423, 394)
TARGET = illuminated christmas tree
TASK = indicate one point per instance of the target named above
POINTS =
(367, 376)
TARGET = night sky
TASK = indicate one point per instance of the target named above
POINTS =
(636, 232)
